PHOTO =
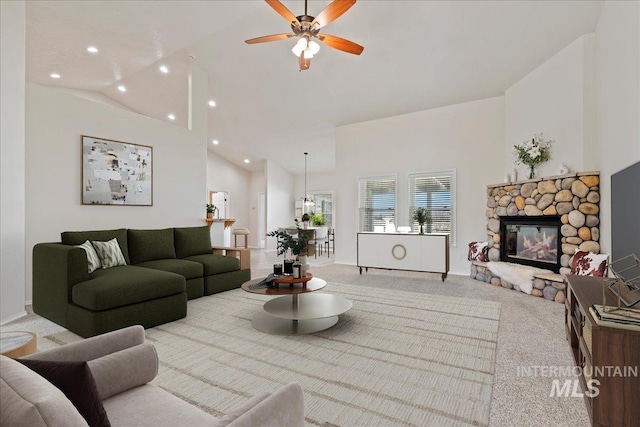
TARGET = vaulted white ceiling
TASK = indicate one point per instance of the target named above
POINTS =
(418, 55)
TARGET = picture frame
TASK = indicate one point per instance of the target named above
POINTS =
(116, 173)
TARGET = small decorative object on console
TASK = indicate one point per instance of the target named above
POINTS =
(422, 216)
(626, 286)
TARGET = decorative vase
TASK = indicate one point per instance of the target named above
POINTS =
(531, 171)
(304, 266)
(421, 228)
(210, 215)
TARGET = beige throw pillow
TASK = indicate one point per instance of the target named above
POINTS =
(109, 253)
(92, 257)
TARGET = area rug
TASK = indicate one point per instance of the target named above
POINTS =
(395, 359)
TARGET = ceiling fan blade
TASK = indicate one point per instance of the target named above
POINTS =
(305, 63)
(341, 44)
(271, 38)
(282, 10)
(332, 12)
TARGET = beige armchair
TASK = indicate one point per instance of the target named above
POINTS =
(123, 364)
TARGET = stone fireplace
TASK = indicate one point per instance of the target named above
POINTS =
(570, 201)
(530, 221)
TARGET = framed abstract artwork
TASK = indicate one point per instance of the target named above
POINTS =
(116, 173)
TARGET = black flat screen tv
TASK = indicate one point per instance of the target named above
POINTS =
(625, 217)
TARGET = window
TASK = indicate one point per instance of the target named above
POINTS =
(324, 205)
(376, 202)
(436, 192)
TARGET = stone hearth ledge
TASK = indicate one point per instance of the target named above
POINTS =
(547, 285)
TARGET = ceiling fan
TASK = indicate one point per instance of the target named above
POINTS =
(307, 28)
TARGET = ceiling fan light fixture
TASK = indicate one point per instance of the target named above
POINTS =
(296, 50)
(307, 27)
(313, 47)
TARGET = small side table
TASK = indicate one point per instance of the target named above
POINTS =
(17, 344)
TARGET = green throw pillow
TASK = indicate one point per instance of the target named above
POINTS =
(150, 245)
(192, 241)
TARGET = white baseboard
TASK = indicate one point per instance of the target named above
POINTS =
(14, 317)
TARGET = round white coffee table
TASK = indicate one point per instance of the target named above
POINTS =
(17, 344)
(298, 311)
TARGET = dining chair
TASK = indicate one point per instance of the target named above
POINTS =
(319, 239)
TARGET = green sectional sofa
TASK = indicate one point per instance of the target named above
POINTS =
(163, 269)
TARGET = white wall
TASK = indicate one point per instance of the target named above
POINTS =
(223, 175)
(280, 200)
(617, 100)
(55, 122)
(257, 186)
(467, 137)
(12, 166)
(316, 183)
(556, 99)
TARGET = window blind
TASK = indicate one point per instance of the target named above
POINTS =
(376, 202)
(434, 191)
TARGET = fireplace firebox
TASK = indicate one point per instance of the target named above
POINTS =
(532, 240)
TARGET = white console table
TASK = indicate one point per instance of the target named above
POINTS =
(404, 251)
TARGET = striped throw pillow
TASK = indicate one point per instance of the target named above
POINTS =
(92, 257)
(109, 253)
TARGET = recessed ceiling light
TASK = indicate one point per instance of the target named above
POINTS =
(164, 69)
(212, 103)
(122, 88)
(171, 117)
(92, 49)
(215, 142)
(246, 160)
(55, 75)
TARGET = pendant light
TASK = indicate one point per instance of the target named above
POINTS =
(308, 201)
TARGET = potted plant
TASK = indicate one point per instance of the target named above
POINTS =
(211, 209)
(533, 152)
(318, 219)
(286, 241)
(421, 216)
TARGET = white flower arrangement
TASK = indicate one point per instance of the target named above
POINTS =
(533, 152)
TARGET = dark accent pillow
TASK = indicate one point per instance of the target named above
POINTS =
(192, 241)
(79, 237)
(150, 245)
(478, 251)
(74, 379)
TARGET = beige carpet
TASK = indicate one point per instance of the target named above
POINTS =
(396, 358)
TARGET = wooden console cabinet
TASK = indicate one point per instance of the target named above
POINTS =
(617, 403)
(404, 251)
